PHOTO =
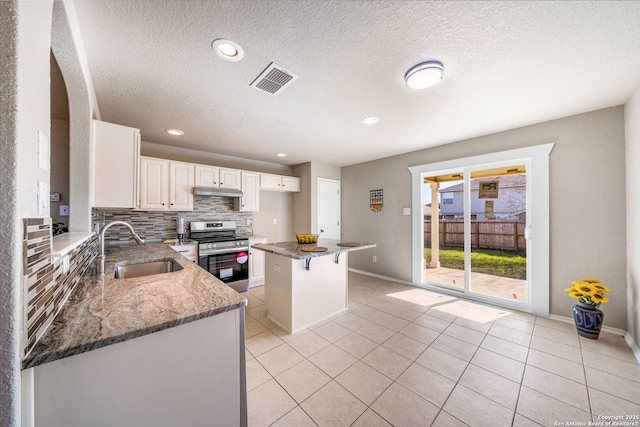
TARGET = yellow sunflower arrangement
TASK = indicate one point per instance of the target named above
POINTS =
(589, 291)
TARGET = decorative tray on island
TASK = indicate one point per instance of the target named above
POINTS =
(312, 249)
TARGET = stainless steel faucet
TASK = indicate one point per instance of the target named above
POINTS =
(101, 256)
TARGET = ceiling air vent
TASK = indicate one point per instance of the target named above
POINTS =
(273, 79)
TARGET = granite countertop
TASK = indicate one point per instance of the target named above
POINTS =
(293, 249)
(106, 311)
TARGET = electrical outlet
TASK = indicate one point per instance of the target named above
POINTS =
(64, 210)
(375, 258)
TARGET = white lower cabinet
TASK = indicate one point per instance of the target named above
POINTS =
(256, 262)
(190, 252)
(166, 184)
(189, 375)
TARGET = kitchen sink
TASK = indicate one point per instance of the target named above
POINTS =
(127, 270)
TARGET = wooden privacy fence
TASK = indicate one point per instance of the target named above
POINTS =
(507, 235)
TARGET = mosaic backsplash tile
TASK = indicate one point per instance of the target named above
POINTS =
(46, 288)
(160, 225)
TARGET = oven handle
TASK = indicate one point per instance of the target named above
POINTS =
(223, 251)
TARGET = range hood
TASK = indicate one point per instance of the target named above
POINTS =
(216, 192)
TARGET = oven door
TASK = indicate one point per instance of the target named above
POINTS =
(231, 267)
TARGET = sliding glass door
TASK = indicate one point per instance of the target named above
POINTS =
(504, 255)
(475, 219)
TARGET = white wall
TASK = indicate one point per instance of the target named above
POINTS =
(278, 206)
(632, 135)
(587, 225)
(26, 29)
(10, 246)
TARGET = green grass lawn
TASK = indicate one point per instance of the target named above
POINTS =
(488, 261)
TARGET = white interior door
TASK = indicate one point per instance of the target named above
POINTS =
(329, 208)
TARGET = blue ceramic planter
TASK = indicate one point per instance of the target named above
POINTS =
(588, 320)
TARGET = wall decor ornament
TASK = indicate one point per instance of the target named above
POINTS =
(375, 200)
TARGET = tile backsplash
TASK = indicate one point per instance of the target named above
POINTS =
(46, 287)
(160, 225)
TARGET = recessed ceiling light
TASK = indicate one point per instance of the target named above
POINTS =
(281, 154)
(371, 120)
(175, 132)
(227, 49)
(424, 75)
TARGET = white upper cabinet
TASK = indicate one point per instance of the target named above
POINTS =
(116, 151)
(207, 176)
(217, 177)
(290, 183)
(166, 185)
(250, 201)
(230, 178)
(272, 182)
(181, 186)
(154, 183)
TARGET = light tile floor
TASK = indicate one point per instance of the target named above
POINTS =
(402, 356)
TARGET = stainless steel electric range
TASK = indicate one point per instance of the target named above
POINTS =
(222, 253)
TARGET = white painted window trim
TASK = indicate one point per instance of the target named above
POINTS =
(537, 160)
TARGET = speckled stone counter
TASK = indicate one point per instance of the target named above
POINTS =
(294, 249)
(108, 311)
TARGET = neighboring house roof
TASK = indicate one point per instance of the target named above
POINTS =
(504, 182)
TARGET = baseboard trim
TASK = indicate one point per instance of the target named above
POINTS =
(379, 276)
(621, 332)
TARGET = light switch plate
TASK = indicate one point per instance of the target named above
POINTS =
(64, 210)
(406, 211)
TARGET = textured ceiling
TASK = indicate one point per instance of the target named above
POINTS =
(507, 64)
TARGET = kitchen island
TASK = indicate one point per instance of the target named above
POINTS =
(162, 349)
(306, 283)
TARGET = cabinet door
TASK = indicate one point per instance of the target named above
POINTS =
(154, 177)
(181, 186)
(230, 178)
(188, 251)
(207, 176)
(290, 183)
(116, 151)
(270, 182)
(256, 263)
(251, 190)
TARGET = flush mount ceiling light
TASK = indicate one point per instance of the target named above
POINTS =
(424, 75)
(371, 120)
(281, 154)
(227, 49)
(175, 132)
